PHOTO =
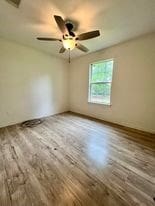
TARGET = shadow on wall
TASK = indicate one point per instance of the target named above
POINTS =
(40, 93)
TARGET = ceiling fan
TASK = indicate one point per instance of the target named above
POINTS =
(69, 39)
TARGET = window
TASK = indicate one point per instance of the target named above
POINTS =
(100, 80)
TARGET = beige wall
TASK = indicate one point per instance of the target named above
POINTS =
(133, 87)
(32, 84)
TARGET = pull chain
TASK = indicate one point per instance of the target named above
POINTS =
(69, 56)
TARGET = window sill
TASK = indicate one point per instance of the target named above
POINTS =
(100, 103)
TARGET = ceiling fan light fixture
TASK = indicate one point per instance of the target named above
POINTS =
(69, 43)
(69, 39)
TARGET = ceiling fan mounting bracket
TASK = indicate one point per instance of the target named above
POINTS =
(69, 26)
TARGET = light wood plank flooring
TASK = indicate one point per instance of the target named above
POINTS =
(71, 160)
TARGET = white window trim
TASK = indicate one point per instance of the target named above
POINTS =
(89, 83)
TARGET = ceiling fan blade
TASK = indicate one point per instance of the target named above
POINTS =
(61, 24)
(82, 48)
(88, 35)
(62, 50)
(47, 39)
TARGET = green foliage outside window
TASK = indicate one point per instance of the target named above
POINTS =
(102, 71)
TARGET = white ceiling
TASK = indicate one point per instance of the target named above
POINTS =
(117, 20)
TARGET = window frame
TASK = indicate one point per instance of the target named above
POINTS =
(102, 82)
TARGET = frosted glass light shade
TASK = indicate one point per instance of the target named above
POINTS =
(69, 43)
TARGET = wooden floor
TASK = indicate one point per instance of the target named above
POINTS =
(69, 160)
